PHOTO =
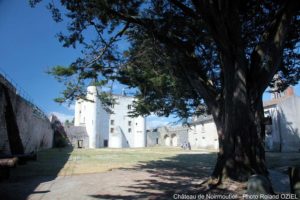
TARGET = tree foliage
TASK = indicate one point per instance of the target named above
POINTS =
(176, 47)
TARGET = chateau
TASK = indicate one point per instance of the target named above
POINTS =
(97, 128)
(282, 129)
(104, 129)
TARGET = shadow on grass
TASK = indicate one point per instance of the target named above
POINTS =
(26, 178)
(180, 174)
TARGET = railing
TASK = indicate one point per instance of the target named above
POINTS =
(22, 93)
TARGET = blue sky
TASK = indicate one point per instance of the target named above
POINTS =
(28, 47)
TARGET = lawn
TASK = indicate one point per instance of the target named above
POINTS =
(157, 172)
(67, 161)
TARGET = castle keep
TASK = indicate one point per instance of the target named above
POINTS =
(104, 129)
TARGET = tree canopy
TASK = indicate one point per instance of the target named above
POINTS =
(176, 47)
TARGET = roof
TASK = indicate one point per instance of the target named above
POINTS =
(274, 102)
(76, 130)
(121, 95)
(203, 119)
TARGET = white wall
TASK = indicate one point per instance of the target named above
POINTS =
(289, 124)
(78, 109)
(132, 130)
(204, 135)
(118, 128)
(285, 134)
(139, 133)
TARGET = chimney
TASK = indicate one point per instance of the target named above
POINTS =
(289, 91)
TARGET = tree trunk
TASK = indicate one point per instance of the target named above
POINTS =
(241, 146)
(240, 125)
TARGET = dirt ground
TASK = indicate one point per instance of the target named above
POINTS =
(163, 174)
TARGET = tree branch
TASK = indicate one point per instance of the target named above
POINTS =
(185, 9)
(108, 44)
(207, 89)
(270, 49)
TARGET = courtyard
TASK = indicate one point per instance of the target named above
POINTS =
(143, 173)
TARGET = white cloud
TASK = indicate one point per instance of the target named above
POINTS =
(69, 107)
(63, 117)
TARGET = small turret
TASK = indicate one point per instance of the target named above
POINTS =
(91, 116)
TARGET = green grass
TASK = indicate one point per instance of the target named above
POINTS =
(69, 161)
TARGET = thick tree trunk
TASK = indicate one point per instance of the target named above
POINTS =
(239, 122)
(241, 145)
(240, 125)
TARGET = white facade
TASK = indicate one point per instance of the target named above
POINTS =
(282, 133)
(116, 129)
(203, 134)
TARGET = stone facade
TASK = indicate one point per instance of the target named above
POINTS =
(282, 133)
(31, 126)
(167, 136)
(152, 137)
(77, 136)
(203, 133)
(114, 129)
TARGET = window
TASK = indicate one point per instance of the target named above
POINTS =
(129, 130)
(112, 122)
(129, 107)
(129, 123)
(111, 130)
(156, 140)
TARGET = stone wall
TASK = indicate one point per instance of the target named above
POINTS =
(30, 125)
(173, 136)
(152, 137)
(204, 135)
(76, 134)
(167, 136)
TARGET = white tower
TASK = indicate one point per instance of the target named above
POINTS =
(139, 132)
(78, 110)
(91, 116)
(117, 129)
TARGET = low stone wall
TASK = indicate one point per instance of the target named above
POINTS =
(77, 133)
(31, 127)
(167, 136)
